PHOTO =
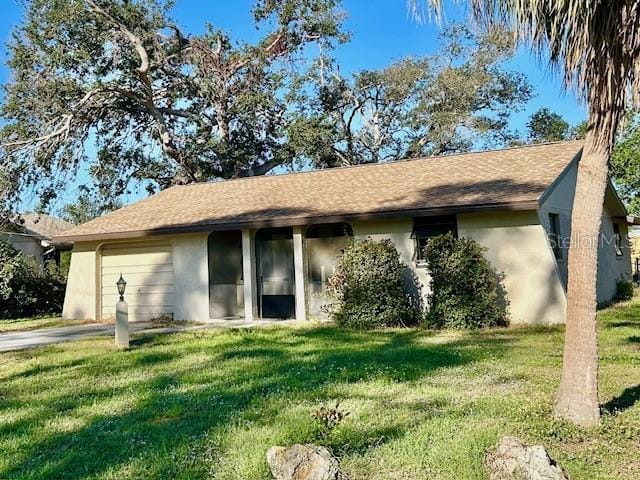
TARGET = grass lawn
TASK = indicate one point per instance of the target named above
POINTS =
(208, 404)
(24, 324)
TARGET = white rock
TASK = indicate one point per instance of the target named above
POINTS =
(513, 459)
(303, 462)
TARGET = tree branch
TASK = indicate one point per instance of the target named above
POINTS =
(261, 169)
(61, 128)
(134, 39)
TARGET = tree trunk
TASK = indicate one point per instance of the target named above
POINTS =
(578, 394)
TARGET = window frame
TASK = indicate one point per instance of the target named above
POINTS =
(425, 228)
(617, 243)
(555, 235)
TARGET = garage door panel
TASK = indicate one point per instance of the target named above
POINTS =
(157, 258)
(135, 247)
(138, 269)
(148, 271)
(141, 300)
(138, 289)
(139, 279)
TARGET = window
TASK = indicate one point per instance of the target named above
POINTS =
(425, 228)
(555, 235)
(617, 239)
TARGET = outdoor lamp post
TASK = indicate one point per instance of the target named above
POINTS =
(121, 286)
(122, 316)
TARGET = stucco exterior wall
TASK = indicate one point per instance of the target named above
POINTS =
(191, 270)
(30, 246)
(517, 246)
(190, 277)
(80, 300)
(611, 267)
(560, 201)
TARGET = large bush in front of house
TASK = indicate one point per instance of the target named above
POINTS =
(371, 287)
(26, 288)
(466, 292)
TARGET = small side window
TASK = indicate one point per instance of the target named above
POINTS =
(555, 235)
(617, 239)
(425, 228)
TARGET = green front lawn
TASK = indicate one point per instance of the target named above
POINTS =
(208, 404)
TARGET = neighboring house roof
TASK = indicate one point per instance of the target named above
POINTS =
(44, 225)
(513, 178)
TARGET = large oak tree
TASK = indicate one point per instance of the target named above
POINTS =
(459, 98)
(117, 83)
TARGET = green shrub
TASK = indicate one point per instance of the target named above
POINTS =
(27, 289)
(624, 289)
(465, 290)
(371, 288)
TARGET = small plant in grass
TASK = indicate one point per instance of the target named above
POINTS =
(466, 292)
(371, 288)
(624, 289)
(327, 419)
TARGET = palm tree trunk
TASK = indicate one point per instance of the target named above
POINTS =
(577, 398)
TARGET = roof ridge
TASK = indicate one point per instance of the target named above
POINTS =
(373, 164)
(467, 181)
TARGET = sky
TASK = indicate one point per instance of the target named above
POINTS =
(382, 31)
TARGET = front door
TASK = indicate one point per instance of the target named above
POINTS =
(276, 284)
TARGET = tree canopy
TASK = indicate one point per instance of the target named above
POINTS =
(115, 93)
(439, 104)
(157, 105)
(625, 164)
(547, 126)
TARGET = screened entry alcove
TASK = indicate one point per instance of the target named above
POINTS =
(226, 285)
(323, 244)
(275, 272)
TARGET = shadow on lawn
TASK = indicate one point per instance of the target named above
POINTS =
(177, 408)
(624, 401)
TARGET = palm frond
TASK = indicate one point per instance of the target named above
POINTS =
(593, 44)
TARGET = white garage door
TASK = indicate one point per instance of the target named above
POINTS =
(148, 271)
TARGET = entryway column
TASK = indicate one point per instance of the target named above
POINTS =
(249, 275)
(298, 263)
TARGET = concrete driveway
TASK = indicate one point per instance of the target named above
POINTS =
(49, 336)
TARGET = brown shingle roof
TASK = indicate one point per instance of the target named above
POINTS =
(513, 178)
(43, 226)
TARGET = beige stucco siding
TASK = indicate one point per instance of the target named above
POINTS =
(559, 200)
(191, 271)
(611, 267)
(187, 293)
(517, 246)
(30, 246)
(80, 299)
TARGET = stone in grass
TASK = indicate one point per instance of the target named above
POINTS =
(514, 459)
(303, 462)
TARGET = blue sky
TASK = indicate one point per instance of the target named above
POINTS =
(382, 31)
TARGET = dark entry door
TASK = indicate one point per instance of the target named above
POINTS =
(276, 286)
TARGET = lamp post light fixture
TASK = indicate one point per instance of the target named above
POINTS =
(122, 316)
(121, 286)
